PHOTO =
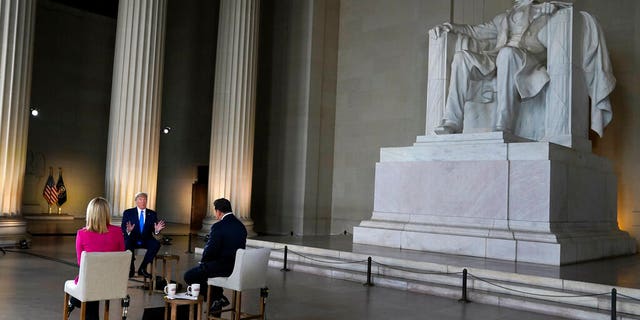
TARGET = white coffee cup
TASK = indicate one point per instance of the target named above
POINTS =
(170, 290)
(194, 290)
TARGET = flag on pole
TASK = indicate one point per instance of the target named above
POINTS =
(49, 193)
(62, 191)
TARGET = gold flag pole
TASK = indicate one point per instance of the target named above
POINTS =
(57, 203)
(61, 191)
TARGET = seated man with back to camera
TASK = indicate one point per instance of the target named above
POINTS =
(227, 235)
(141, 229)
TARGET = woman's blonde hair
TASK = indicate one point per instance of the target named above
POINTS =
(98, 215)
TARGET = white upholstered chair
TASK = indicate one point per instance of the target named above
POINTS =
(249, 272)
(103, 276)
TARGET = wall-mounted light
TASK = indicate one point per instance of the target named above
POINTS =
(34, 111)
(166, 130)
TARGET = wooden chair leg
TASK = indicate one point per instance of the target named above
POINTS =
(262, 302)
(238, 305)
(234, 300)
(152, 284)
(83, 310)
(65, 308)
(106, 310)
(232, 308)
(209, 302)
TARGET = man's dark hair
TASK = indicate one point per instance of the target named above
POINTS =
(223, 205)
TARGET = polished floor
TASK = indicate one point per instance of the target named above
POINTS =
(33, 279)
(617, 271)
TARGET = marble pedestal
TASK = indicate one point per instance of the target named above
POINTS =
(495, 195)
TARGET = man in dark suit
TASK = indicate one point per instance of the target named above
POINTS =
(227, 235)
(141, 229)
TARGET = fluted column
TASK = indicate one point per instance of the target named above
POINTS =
(231, 155)
(134, 123)
(17, 19)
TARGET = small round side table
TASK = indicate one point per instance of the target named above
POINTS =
(174, 303)
(167, 261)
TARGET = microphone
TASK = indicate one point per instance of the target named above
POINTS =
(125, 307)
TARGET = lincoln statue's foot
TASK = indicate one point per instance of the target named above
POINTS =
(501, 128)
(447, 127)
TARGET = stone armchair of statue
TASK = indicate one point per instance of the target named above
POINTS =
(574, 100)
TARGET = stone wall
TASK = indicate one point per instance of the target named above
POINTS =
(71, 85)
(381, 93)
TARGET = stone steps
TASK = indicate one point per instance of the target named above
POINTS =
(564, 298)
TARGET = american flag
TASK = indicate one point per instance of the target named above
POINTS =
(50, 193)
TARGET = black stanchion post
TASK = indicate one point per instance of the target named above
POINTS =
(369, 283)
(189, 243)
(285, 269)
(464, 287)
(614, 293)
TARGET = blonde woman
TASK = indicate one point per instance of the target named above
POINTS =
(97, 236)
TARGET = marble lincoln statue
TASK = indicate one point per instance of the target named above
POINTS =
(517, 62)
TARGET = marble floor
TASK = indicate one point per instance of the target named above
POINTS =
(618, 271)
(33, 279)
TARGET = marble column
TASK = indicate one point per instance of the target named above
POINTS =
(231, 155)
(17, 19)
(134, 123)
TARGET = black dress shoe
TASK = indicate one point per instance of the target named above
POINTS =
(217, 305)
(131, 273)
(224, 301)
(144, 273)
